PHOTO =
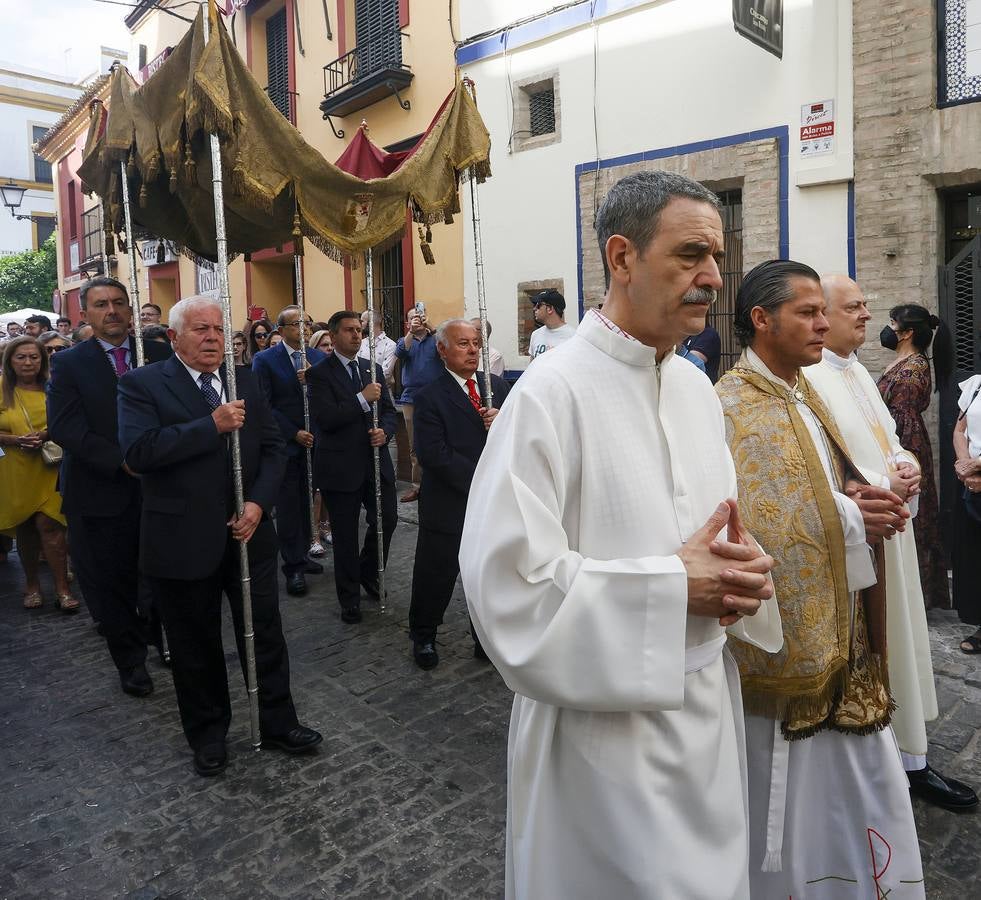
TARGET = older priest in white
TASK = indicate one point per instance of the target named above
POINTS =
(598, 589)
(851, 395)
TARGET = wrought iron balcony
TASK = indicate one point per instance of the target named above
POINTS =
(366, 74)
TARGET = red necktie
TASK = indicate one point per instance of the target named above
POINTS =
(472, 391)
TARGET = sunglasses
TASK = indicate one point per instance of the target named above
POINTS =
(51, 350)
(260, 335)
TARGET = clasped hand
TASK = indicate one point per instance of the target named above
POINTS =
(882, 511)
(229, 416)
(244, 526)
(726, 579)
(30, 441)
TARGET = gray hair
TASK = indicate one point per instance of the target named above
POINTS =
(476, 324)
(46, 336)
(633, 206)
(376, 315)
(281, 318)
(182, 307)
(441, 339)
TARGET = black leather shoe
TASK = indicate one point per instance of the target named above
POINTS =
(297, 740)
(313, 568)
(210, 760)
(479, 652)
(425, 655)
(941, 790)
(136, 681)
(370, 586)
(296, 585)
(351, 615)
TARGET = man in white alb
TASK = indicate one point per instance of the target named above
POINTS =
(550, 315)
(851, 395)
(601, 588)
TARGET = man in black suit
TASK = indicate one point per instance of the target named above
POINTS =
(280, 370)
(451, 426)
(173, 427)
(341, 394)
(100, 495)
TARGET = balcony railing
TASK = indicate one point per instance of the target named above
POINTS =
(366, 74)
(285, 102)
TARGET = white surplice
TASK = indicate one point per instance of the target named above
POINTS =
(870, 434)
(830, 815)
(626, 767)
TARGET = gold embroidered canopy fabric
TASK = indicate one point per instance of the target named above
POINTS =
(161, 131)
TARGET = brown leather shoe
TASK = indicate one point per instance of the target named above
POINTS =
(410, 496)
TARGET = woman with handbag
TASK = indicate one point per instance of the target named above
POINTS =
(31, 505)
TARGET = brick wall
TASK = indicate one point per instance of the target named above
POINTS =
(753, 167)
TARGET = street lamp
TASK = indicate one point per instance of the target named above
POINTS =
(13, 195)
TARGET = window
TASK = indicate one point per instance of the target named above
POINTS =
(42, 169)
(389, 288)
(44, 228)
(541, 111)
(723, 311)
(958, 51)
(73, 211)
(536, 112)
(377, 35)
(277, 62)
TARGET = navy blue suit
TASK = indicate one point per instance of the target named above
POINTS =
(187, 551)
(343, 470)
(101, 501)
(277, 378)
(449, 436)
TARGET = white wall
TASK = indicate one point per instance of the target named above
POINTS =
(667, 74)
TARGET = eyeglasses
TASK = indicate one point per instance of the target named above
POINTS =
(52, 349)
(308, 323)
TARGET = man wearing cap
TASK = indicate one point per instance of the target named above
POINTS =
(550, 315)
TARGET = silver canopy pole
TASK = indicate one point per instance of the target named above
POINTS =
(224, 294)
(478, 254)
(298, 270)
(134, 287)
(102, 232)
(369, 278)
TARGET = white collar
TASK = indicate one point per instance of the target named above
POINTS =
(840, 363)
(344, 360)
(462, 381)
(196, 374)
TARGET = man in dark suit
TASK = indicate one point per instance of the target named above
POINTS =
(280, 372)
(451, 424)
(100, 495)
(173, 427)
(341, 394)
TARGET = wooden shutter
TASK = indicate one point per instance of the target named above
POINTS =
(277, 62)
(379, 43)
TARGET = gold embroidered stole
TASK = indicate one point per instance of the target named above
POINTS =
(827, 675)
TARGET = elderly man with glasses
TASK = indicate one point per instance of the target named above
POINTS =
(281, 376)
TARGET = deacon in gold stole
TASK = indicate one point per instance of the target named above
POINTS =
(828, 799)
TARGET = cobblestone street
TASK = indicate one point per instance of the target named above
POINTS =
(405, 798)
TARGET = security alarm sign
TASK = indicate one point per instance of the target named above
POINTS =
(817, 128)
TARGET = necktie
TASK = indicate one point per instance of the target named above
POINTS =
(355, 374)
(474, 396)
(297, 360)
(208, 390)
(119, 360)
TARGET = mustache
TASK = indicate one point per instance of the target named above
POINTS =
(700, 295)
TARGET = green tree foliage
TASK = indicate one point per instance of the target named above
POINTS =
(29, 278)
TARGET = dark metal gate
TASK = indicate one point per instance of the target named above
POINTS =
(960, 308)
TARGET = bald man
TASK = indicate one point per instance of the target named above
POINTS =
(851, 395)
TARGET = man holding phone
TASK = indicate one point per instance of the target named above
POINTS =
(420, 366)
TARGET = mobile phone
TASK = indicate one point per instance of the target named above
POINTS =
(420, 308)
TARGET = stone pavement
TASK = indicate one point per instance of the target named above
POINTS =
(405, 798)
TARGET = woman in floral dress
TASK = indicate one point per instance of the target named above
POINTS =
(906, 388)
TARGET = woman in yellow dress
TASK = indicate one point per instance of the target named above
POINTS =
(30, 505)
